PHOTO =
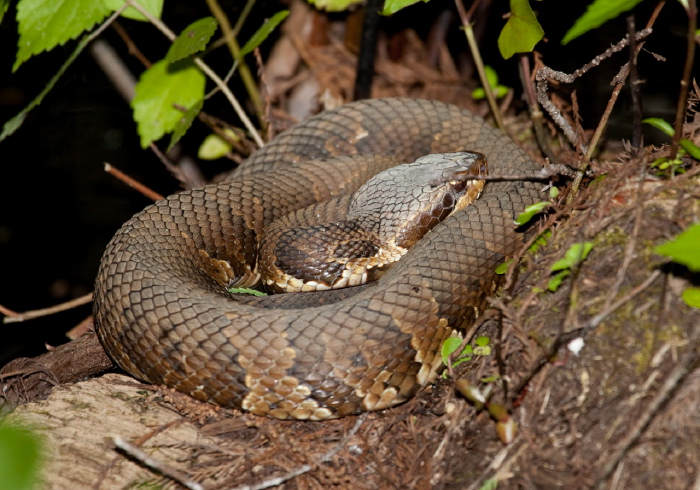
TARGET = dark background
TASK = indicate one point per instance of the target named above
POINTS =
(58, 209)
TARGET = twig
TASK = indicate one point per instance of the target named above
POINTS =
(692, 12)
(207, 70)
(13, 317)
(158, 466)
(545, 73)
(273, 482)
(149, 193)
(634, 87)
(680, 371)
(478, 62)
(244, 71)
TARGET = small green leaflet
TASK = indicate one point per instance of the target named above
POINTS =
(599, 12)
(393, 6)
(529, 212)
(192, 39)
(159, 89)
(684, 249)
(667, 129)
(333, 5)
(155, 7)
(576, 254)
(214, 146)
(521, 32)
(253, 292)
(262, 33)
(492, 77)
(44, 24)
(503, 268)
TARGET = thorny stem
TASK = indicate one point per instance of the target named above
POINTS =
(685, 81)
(478, 62)
(207, 70)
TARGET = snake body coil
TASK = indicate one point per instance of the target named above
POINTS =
(163, 314)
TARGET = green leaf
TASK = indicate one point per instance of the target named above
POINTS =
(393, 6)
(252, 292)
(492, 79)
(691, 148)
(684, 249)
(4, 5)
(503, 268)
(19, 458)
(599, 12)
(530, 211)
(521, 32)
(691, 296)
(16, 122)
(44, 24)
(660, 124)
(482, 341)
(262, 33)
(154, 7)
(185, 123)
(576, 254)
(213, 147)
(555, 281)
(192, 39)
(540, 241)
(553, 192)
(449, 346)
(160, 88)
(333, 5)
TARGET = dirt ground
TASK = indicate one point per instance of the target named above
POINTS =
(621, 412)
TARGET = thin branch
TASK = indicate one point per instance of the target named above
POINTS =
(279, 480)
(207, 70)
(146, 191)
(13, 317)
(687, 72)
(478, 62)
(155, 465)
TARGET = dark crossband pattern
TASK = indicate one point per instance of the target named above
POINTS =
(163, 314)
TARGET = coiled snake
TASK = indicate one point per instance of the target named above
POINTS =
(163, 314)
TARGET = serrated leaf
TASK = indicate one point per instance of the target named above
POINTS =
(45, 24)
(684, 249)
(185, 122)
(393, 6)
(333, 5)
(192, 39)
(159, 90)
(19, 458)
(530, 211)
(261, 34)
(521, 32)
(154, 7)
(576, 254)
(599, 12)
(691, 297)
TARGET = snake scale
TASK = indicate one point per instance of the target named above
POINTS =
(163, 314)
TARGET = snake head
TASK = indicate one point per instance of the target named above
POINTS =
(411, 199)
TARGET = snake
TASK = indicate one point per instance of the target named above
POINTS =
(164, 314)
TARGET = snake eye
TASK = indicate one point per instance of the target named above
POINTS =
(459, 185)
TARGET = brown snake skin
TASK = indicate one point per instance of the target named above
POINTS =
(163, 315)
